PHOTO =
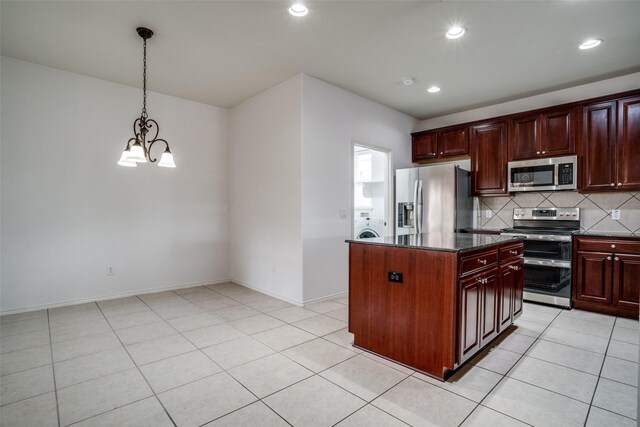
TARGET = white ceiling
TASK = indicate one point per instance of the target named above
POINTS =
(223, 52)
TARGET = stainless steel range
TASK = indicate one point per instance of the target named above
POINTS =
(547, 252)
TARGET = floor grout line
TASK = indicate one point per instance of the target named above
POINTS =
(53, 370)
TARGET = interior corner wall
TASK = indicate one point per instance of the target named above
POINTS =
(265, 191)
(68, 210)
(564, 96)
(333, 119)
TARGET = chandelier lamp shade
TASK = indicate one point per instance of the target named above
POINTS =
(138, 149)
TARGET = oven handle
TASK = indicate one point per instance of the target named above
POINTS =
(547, 263)
(546, 237)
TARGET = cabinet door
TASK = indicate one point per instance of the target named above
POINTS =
(598, 146)
(626, 281)
(518, 288)
(489, 158)
(424, 147)
(453, 142)
(593, 280)
(628, 144)
(507, 285)
(558, 138)
(489, 301)
(524, 141)
(469, 317)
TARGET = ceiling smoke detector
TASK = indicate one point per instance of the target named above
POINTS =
(408, 81)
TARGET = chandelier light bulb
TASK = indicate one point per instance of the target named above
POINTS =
(137, 154)
(166, 161)
(124, 159)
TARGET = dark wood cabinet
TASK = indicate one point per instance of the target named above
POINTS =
(626, 281)
(489, 158)
(424, 147)
(610, 145)
(440, 144)
(606, 275)
(510, 292)
(547, 134)
(628, 144)
(444, 310)
(598, 146)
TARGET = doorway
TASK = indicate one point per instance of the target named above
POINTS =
(372, 192)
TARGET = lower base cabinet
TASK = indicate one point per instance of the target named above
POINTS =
(607, 276)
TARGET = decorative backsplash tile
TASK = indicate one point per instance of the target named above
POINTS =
(595, 209)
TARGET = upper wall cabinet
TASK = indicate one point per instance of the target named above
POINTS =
(548, 134)
(610, 145)
(444, 143)
(489, 158)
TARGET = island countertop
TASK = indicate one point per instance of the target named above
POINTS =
(439, 241)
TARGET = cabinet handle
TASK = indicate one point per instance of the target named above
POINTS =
(613, 246)
(608, 258)
(441, 153)
(544, 152)
(513, 252)
(537, 152)
(478, 279)
(619, 184)
(616, 259)
(514, 267)
(482, 261)
(612, 184)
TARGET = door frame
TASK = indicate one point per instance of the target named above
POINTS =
(389, 230)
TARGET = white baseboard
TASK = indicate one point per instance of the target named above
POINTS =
(266, 292)
(112, 296)
(336, 295)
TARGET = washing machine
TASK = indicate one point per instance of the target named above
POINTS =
(367, 227)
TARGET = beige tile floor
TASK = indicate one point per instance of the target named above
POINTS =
(224, 355)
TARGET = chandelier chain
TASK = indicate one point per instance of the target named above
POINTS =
(144, 80)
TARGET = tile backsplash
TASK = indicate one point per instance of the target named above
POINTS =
(595, 209)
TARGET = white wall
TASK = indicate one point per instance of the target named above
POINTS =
(265, 196)
(68, 210)
(576, 93)
(332, 119)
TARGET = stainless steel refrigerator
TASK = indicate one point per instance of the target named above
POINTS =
(433, 198)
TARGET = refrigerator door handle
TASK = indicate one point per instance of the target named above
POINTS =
(418, 207)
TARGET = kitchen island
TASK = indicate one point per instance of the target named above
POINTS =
(431, 301)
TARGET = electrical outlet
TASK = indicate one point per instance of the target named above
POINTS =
(615, 214)
(342, 213)
(111, 271)
(488, 214)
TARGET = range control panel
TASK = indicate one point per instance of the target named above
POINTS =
(551, 213)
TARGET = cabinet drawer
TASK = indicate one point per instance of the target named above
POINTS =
(473, 263)
(600, 245)
(511, 252)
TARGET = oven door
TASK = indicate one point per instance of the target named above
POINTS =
(547, 271)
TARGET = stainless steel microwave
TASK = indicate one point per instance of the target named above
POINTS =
(551, 174)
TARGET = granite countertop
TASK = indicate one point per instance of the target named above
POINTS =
(446, 242)
(607, 234)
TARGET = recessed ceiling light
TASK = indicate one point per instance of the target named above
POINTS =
(433, 89)
(590, 44)
(456, 32)
(408, 81)
(298, 9)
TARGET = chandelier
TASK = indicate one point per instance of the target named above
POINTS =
(138, 149)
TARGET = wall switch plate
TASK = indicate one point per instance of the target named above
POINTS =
(615, 214)
(342, 213)
(488, 214)
(111, 271)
